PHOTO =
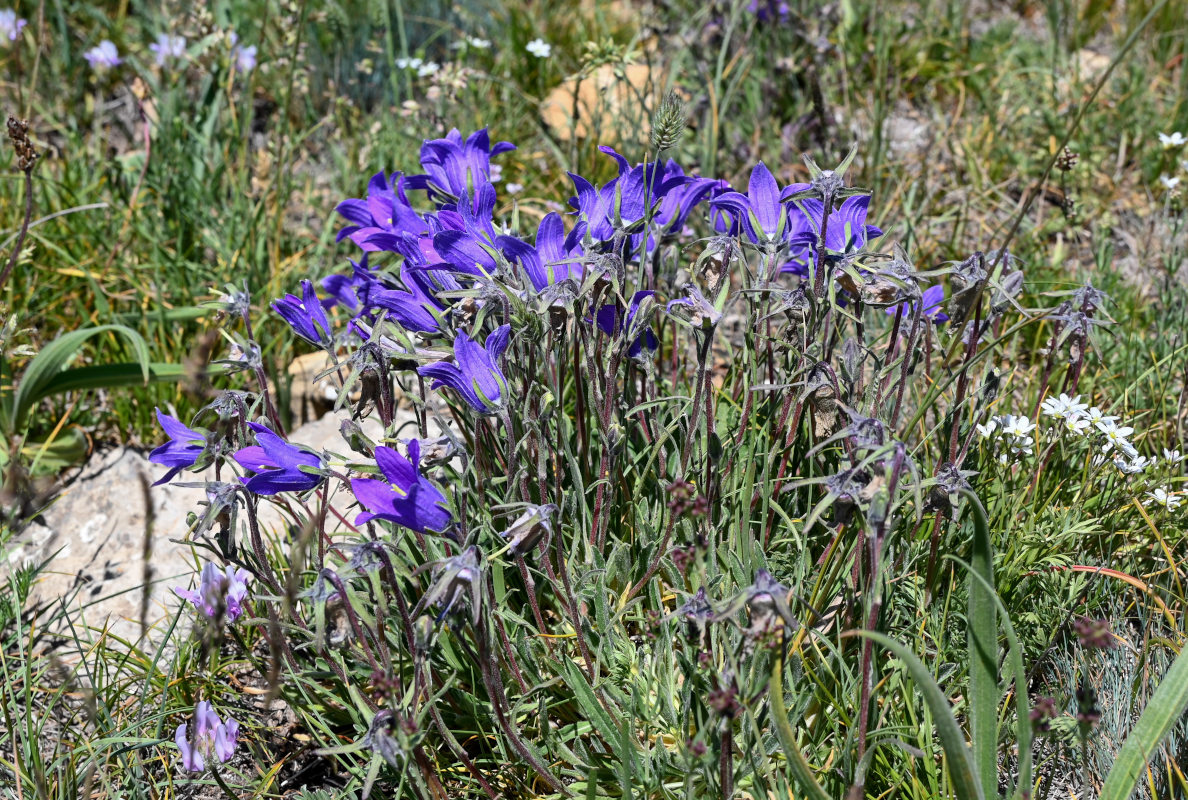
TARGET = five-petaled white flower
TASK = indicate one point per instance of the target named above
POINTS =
(987, 430)
(1169, 182)
(1134, 466)
(1064, 406)
(1018, 427)
(1162, 497)
(1172, 140)
(540, 48)
(1116, 436)
(1172, 456)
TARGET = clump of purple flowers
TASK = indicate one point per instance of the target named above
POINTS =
(211, 740)
(221, 594)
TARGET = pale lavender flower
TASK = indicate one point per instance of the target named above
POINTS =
(103, 56)
(219, 593)
(243, 59)
(10, 25)
(168, 48)
(212, 738)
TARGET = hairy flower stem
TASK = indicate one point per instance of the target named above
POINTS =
(499, 705)
(703, 348)
(908, 348)
(571, 606)
(356, 626)
(24, 229)
(530, 587)
(726, 762)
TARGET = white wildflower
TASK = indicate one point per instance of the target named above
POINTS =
(1172, 140)
(1134, 466)
(1169, 182)
(427, 69)
(1076, 425)
(515, 188)
(1115, 436)
(1096, 416)
(1018, 427)
(478, 43)
(540, 48)
(1162, 497)
(1172, 457)
(1064, 406)
(987, 430)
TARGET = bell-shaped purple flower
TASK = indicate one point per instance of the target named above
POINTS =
(680, 200)
(279, 466)
(220, 594)
(847, 231)
(306, 316)
(760, 213)
(475, 373)
(385, 210)
(406, 497)
(212, 739)
(554, 258)
(416, 309)
(453, 167)
(184, 448)
(932, 302)
(610, 322)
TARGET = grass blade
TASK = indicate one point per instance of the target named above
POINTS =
(1161, 714)
(961, 763)
(983, 652)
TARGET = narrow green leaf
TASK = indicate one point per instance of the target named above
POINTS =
(961, 764)
(1014, 665)
(54, 357)
(1163, 710)
(779, 713)
(983, 652)
(111, 376)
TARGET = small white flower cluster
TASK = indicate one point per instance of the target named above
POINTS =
(1173, 141)
(1011, 434)
(423, 68)
(1080, 419)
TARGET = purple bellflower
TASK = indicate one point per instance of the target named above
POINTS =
(760, 213)
(168, 48)
(680, 200)
(554, 259)
(453, 167)
(10, 24)
(306, 316)
(103, 56)
(475, 373)
(406, 498)
(624, 200)
(213, 739)
(847, 231)
(931, 300)
(184, 448)
(609, 322)
(385, 210)
(219, 593)
(279, 466)
(416, 309)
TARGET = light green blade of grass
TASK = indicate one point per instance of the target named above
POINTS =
(961, 763)
(1161, 714)
(983, 652)
(47, 365)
